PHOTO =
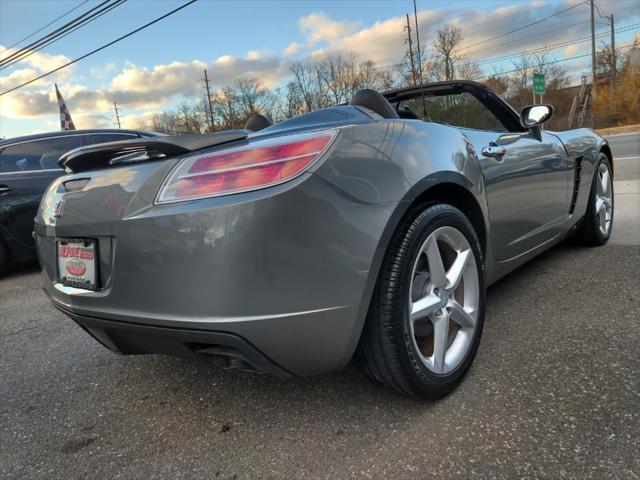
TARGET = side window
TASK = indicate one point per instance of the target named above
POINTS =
(109, 137)
(55, 147)
(458, 109)
(38, 154)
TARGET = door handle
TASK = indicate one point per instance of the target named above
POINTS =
(493, 151)
(4, 189)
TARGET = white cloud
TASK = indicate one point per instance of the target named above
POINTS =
(292, 49)
(319, 27)
(40, 61)
(140, 88)
(102, 71)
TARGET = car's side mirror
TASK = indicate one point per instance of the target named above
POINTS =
(535, 115)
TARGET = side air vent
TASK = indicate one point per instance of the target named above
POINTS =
(577, 175)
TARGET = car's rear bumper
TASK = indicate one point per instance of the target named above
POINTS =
(226, 350)
(300, 343)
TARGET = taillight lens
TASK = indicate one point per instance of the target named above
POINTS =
(261, 164)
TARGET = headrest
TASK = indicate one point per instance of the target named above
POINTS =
(257, 122)
(374, 101)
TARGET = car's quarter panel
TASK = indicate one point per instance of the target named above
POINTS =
(396, 162)
(397, 159)
(528, 189)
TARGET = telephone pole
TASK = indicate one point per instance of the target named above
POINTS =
(410, 42)
(415, 18)
(209, 108)
(593, 52)
(115, 109)
(613, 54)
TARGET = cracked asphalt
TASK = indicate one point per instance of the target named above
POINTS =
(554, 392)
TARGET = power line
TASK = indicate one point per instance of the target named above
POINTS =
(31, 52)
(447, 19)
(546, 63)
(44, 42)
(546, 48)
(48, 24)
(175, 10)
(63, 28)
(490, 61)
(522, 27)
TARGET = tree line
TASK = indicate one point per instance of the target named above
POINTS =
(334, 79)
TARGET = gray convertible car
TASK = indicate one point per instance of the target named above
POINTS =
(368, 230)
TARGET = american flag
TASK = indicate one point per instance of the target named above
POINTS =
(65, 117)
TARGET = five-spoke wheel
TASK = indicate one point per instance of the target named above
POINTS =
(444, 299)
(598, 219)
(426, 317)
(604, 198)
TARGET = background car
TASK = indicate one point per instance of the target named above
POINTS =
(344, 230)
(27, 166)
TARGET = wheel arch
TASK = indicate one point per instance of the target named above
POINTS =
(460, 197)
(606, 149)
(445, 187)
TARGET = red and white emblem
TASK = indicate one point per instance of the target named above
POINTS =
(76, 267)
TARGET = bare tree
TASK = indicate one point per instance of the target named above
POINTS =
(468, 71)
(307, 84)
(448, 39)
(253, 97)
(520, 80)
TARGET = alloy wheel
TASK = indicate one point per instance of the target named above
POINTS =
(604, 199)
(444, 300)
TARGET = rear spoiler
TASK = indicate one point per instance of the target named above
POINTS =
(102, 155)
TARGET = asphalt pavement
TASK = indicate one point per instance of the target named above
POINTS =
(554, 392)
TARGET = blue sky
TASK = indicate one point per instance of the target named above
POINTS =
(160, 67)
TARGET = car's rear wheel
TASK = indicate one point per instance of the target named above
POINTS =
(598, 220)
(427, 312)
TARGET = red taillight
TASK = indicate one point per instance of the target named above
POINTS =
(260, 164)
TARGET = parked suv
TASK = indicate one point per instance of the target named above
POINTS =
(27, 166)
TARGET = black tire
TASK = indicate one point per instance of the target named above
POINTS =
(4, 259)
(589, 232)
(386, 352)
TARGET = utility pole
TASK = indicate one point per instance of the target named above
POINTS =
(593, 50)
(593, 62)
(614, 73)
(415, 18)
(413, 65)
(209, 108)
(115, 109)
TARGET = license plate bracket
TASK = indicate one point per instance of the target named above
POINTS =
(77, 262)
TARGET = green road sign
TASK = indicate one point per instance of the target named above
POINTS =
(538, 83)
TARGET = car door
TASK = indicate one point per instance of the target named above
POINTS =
(527, 189)
(26, 170)
(528, 186)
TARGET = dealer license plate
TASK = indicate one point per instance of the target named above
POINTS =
(77, 263)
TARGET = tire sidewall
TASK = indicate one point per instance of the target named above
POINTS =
(591, 211)
(426, 222)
